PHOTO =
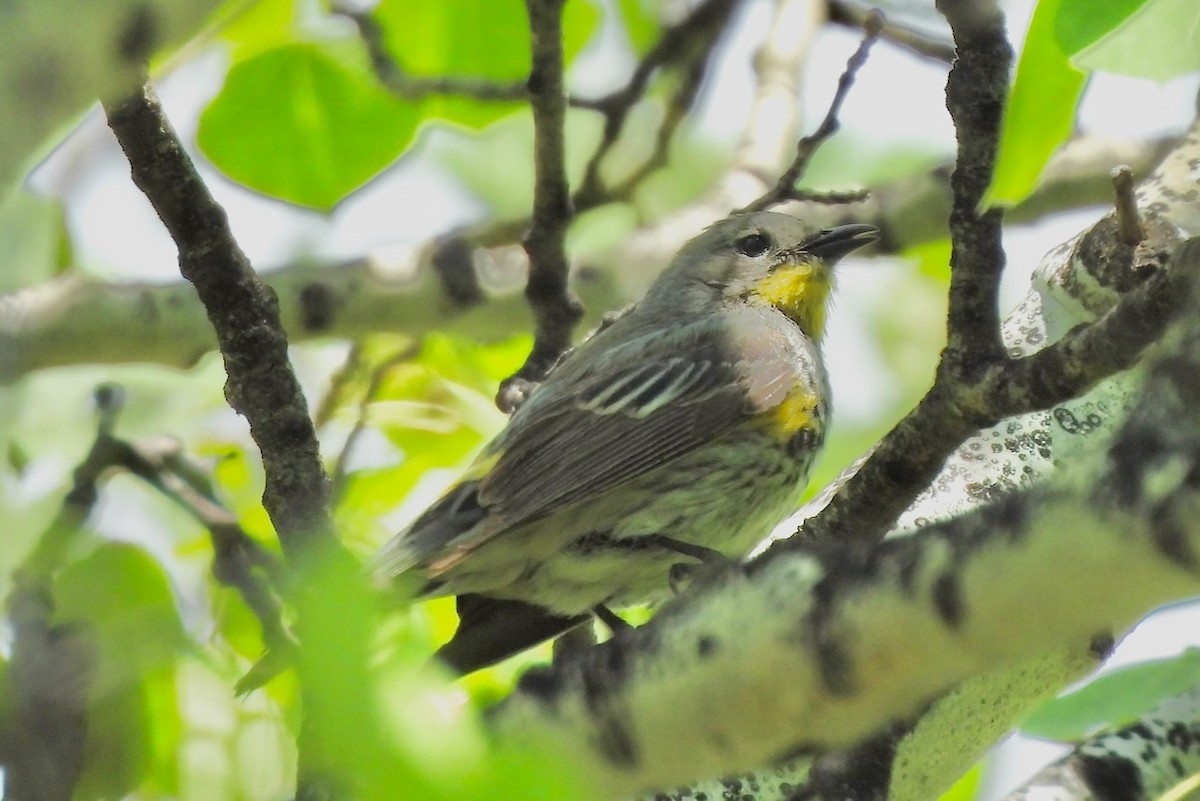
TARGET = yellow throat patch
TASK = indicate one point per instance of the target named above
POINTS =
(799, 290)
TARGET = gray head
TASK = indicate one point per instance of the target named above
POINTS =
(762, 257)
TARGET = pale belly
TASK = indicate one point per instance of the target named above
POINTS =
(724, 498)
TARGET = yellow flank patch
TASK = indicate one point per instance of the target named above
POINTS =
(799, 291)
(795, 413)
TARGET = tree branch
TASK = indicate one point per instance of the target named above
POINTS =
(77, 320)
(412, 87)
(832, 639)
(688, 44)
(853, 15)
(785, 187)
(244, 314)
(555, 310)
(1145, 760)
(871, 494)
(975, 93)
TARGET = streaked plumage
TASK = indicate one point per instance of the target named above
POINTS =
(693, 417)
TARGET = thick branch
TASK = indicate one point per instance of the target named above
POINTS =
(244, 314)
(1145, 760)
(835, 652)
(74, 320)
(833, 641)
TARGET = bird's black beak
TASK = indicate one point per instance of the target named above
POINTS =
(834, 243)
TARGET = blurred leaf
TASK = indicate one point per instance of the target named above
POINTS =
(601, 228)
(641, 24)
(125, 594)
(343, 735)
(933, 259)
(1041, 110)
(1081, 23)
(133, 721)
(849, 161)
(471, 39)
(34, 242)
(241, 478)
(496, 163)
(356, 374)
(17, 457)
(438, 410)
(299, 124)
(1115, 699)
(1160, 40)
(235, 622)
(259, 25)
(965, 788)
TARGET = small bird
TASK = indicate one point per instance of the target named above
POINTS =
(681, 433)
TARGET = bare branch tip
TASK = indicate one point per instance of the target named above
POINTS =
(874, 23)
(1129, 223)
(110, 400)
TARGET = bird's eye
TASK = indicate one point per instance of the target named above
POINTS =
(753, 245)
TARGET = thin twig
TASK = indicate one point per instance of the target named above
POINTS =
(675, 113)
(378, 374)
(1129, 221)
(785, 188)
(854, 16)
(556, 311)
(239, 562)
(690, 44)
(412, 87)
(244, 314)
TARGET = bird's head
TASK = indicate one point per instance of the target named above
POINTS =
(763, 257)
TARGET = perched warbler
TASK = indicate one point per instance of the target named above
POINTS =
(684, 429)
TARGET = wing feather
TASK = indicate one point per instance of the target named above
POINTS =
(647, 403)
(599, 422)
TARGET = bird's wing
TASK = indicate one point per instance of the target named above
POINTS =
(640, 405)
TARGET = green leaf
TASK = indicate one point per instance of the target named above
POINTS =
(437, 409)
(496, 163)
(1114, 700)
(343, 735)
(1040, 112)
(298, 124)
(1160, 41)
(966, 788)
(127, 597)
(124, 598)
(34, 241)
(480, 39)
(259, 25)
(1081, 23)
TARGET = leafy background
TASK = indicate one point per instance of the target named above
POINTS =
(301, 141)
